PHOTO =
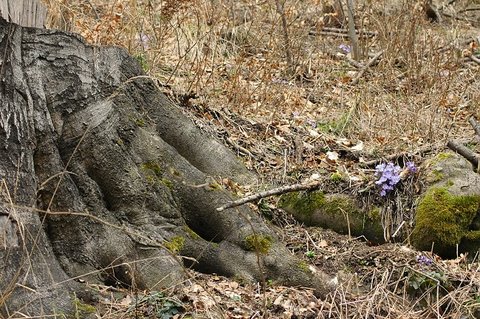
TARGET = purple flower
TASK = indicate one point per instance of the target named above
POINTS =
(345, 48)
(424, 260)
(411, 167)
(312, 123)
(143, 40)
(388, 176)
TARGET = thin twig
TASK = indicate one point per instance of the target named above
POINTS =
(369, 64)
(271, 192)
(474, 59)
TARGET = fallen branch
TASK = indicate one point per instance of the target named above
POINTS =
(271, 192)
(474, 59)
(465, 152)
(337, 32)
(369, 64)
(420, 151)
(475, 125)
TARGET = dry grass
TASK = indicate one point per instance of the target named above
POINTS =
(234, 55)
(238, 65)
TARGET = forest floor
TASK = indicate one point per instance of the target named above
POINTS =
(280, 84)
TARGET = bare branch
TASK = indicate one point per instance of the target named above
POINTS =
(465, 152)
(271, 192)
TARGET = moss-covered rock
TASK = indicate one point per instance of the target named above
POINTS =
(338, 212)
(444, 220)
(448, 213)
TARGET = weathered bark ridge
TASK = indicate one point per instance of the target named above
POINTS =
(105, 179)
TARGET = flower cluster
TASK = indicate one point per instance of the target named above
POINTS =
(424, 260)
(389, 176)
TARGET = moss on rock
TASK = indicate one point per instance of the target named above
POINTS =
(444, 220)
(303, 203)
(337, 212)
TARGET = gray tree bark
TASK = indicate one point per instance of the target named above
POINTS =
(104, 179)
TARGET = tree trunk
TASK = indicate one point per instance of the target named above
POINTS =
(27, 13)
(104, 179)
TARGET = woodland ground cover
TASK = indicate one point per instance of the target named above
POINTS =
(277, 82)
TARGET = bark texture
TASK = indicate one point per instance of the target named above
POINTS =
(104, 179)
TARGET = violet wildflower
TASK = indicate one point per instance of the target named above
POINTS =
(389, 176)
(411, 167)
(312, 123)
(143, 40)
(424, 260)
(345, 48)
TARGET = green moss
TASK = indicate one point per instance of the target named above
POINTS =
(175, 244)
(336, 177)
(305, 203)
(214, 186)
(303, 266)
(443, 156)
(333, 212)
(191, 233)
(142, 60)
(140, 122)
(153, 167)
(167, 183)
(154, 174)
(375, 213)
(258, 243)
(434, 176)
(82, 310)
(444, 219)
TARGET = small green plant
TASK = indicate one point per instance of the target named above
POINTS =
(427, 280)
(142, 60)
(156, 305)
(336, 177)
(310, 254)
(265, 209)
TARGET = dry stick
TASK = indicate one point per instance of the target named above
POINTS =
(339, 30)
(474, 59)
(271, 192)
(351, 31)
(420, 151)
(475, 125)
(369, 64)
(465, 152)
(286, 38)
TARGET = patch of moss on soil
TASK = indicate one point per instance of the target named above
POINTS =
(443, 220)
